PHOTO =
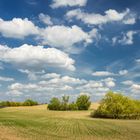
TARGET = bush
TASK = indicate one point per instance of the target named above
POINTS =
(55, 104)
(29, 102)
(5, 103)
(64, 103)
(117, 106)
(73, 106)
(83, 102)
(11, 103)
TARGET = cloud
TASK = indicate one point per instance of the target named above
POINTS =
(95, 88)
(14, 93)
(107, 73)
(130, 18)
(138, 60)
(45, 19)
(66, 80)
(134, 71)
(123, 72)
(32, 75)
(37, 75)
(94, 84)
(64, 3)
(130, 21)
(135, 86)
(110, 15)
(6, 79)
(109, 82)
(127, 38)
(17, 28)
(50, 76)
(58, 36)
(127, 82)
(36, 57)
(66, 88)
(66, 37)
(20, 87)
(103, 73)
(56, 84)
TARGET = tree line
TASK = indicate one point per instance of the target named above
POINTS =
(82, 103)
(113, 105)
(27, 102)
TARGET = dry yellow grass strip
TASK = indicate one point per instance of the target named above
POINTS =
(94, 105)
(9, 134)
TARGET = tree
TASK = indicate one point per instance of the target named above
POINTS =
(64, 103)
(54, 104)
(73, 106)
(83, 102)
(5, 103)
(29, 102)
(115, 105)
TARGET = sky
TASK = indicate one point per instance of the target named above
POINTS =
(51, 48)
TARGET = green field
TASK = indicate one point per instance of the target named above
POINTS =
(38, 123)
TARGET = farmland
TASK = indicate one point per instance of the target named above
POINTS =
(38, 123)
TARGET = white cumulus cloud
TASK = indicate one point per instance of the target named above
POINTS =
(109, 82)
(63, 3)
(17, 28)
(66, 37)
(127, 38)
(28, 56)
(46, 19)
(102, 73)
(110, 15)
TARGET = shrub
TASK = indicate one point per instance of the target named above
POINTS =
(117, 106)
(5, 103)
(83, 102)
(64, 104)
(73, 106)
(55, 104)
(29, 102)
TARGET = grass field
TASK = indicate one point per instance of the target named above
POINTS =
(38, 123)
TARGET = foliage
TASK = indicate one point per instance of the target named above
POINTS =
(28, 102)
(54, 104)
(117, 106)
(73, 106)
(83, 102)
(64, 103)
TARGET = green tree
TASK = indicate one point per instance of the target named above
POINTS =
(54, 104)
(64, 103)
(29, 102)
(73, 106)
(115, 105)
(83, 102)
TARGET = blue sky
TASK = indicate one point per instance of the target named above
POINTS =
(58, 47)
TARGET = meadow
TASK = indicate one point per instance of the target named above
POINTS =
(38, 123)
